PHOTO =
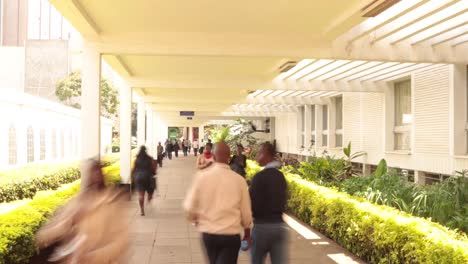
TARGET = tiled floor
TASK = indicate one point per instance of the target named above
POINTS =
(164, 235)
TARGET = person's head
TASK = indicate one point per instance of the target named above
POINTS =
(265, 154)
(159, 143)
(94, 179)
(208, 148)
(240, 149)
(142, 151)
(222, 152)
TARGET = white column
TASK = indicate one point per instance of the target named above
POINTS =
(125, 132)
(191, 134)
(21, 141)
(332, 123)
(90, 104)
(308, 126)
(458, 110)
(149, 128)
(318, 125)
(141, 124)
(201, 133)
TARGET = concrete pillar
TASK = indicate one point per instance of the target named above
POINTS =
(190, 134)
(458, 118)
(149, 128)
(331, 124)
(125, 132)
(366, 169)
(141, 123)
(318, 125)
(90, 104)
(419, 177)
(308, 126)
(21, 142)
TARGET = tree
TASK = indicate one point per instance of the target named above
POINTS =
(68, 91)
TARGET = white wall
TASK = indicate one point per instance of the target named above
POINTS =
(12, 68)
(367, 124)
(24, 110)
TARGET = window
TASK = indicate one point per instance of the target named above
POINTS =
(30, 144)
(42, 144)
(12, 148)
(339, 121)
(403, 115)
(325, 126)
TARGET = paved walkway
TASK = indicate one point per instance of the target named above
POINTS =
(164, 235)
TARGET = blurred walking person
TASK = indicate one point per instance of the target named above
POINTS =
(168, 149)
(268, 193)
(218, 203)
(238, 162)
(207, 158)
(195, 147)
(185, 147)
(176, 148)
(91, 228)
(144, 171)
(160, 150)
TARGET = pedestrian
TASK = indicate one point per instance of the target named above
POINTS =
(238, 162)
(202, 147)
(207, 158)
(189, 144)
(176, 148)
(91, 228)
(168, 149)
(268, 193)
(219, 205)
(185, 147)
(144, 171)
(160, 150)
(195, 147)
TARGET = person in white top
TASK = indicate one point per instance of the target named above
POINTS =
(195, 147)
(218, 203)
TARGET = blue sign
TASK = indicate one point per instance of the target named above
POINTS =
(187, 113)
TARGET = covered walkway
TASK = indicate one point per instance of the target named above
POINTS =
(164, 235)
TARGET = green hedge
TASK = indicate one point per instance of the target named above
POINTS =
(18, 227)
(24, 183)
(375, 233)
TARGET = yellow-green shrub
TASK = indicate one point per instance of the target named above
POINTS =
(18, 227)
(375, 233)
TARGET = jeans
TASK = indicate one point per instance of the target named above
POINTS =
(195, 151)
(269, 238)
(222, 249)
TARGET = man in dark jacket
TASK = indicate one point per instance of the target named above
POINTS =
(268, 194)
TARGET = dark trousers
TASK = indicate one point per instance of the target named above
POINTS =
(195, 151)
(222, 249)
(160, 159)
(185, 151)
(176, 153)
(169, 155)
(269, 238)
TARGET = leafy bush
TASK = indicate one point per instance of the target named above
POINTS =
(112, 174)
(18, 227)
(377, 234)
(445, 202)
(22, 183)
(25, 182)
